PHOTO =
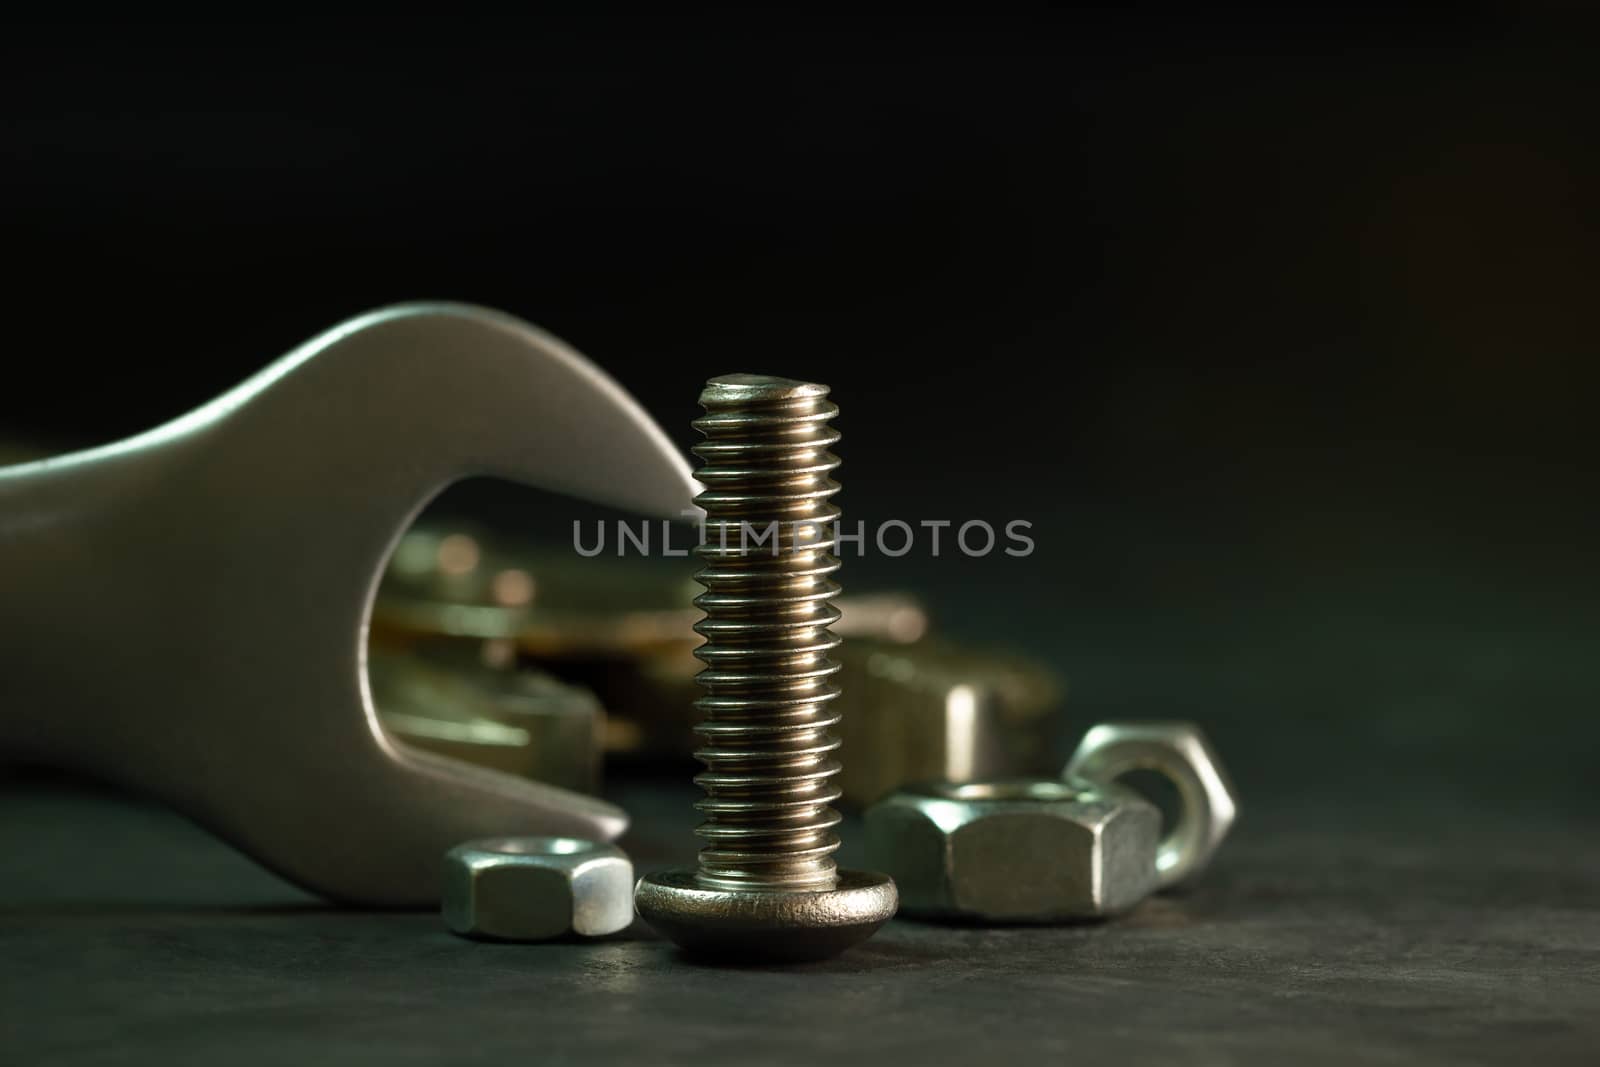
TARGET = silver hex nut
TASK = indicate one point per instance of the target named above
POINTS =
(1179, 752)
(1028, 850)
(537, 888)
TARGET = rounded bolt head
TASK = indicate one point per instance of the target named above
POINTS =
(765, 924)
(537, 888)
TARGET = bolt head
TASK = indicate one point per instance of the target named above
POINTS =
(765, 925)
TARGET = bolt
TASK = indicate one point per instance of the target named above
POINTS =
(766, 885)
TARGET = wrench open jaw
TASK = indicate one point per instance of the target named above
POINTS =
(185, 612)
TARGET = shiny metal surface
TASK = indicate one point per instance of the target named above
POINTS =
(767, 714)
(623, 627)
(514, 720)
(1026, 850)
(936, 711)
(537, 888)
(237, 692)
(454, 580)
(758, 924)
(769, 696)
(1180, 752)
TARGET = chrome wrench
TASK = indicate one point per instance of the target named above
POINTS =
(184, 613)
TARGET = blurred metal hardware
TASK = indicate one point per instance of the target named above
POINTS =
(459, 580)
(766, 885)
(1029, 850)
(914, 708)
(230, 678)
(537, 888)
(925, 711)
(1178, 751)
(935, 711)
(621, 627)
(521, 722)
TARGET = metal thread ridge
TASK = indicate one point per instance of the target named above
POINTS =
(767, 713)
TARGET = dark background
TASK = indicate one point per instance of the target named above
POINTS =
(1279, 326)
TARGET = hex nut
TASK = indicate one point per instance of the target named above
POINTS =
(537, 888)
(1180, 752)
(1027, 850)
(520, 721)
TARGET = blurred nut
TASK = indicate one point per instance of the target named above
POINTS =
(1031, 850)
(890, 618)
(933, 711)
(477, 741)
(537, 888)
(518, 721)
(1179, 752)
(464, 582)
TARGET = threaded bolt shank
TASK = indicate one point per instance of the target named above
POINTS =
(767, 712)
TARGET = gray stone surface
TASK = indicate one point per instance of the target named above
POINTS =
(127, 935)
